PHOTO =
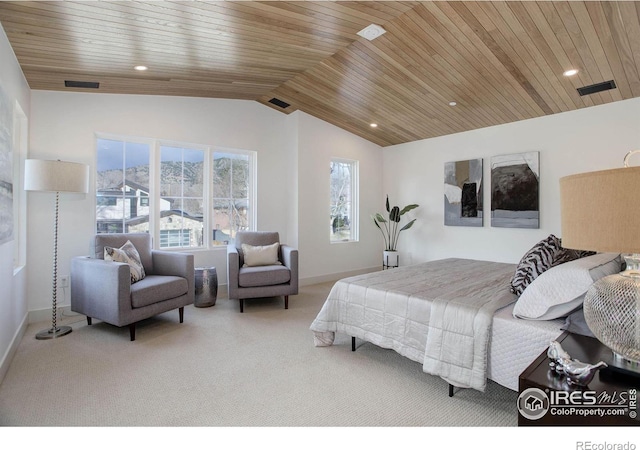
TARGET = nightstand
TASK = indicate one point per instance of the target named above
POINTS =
(546, 399)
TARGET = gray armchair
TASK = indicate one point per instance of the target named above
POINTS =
(103, 289)
(261, 281)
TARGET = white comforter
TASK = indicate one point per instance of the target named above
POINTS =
(438, 313)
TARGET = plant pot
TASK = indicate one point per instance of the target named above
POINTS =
(390, 259)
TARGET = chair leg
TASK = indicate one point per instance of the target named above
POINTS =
(241, 305)
(88, 320)
(286, 302)
(181, 312)
(132, 331)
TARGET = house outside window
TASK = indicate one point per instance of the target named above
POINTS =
(173, 199)
(122, 174)
(343, 215)
(182, 188)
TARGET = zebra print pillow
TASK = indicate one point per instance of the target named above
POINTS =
(566, 255)
(540, 258)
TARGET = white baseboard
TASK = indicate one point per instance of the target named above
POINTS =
(13, 347)
(44, 315)
(336, 276)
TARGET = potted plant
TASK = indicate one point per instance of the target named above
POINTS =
(391, 230)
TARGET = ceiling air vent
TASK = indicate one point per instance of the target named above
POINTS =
(279, 103)
(598, 87)
(82, 84)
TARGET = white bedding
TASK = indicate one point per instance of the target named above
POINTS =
(515, 343)
(393, 309)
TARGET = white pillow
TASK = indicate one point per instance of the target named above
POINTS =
(561, 289)
(127, 254)
(260, 255)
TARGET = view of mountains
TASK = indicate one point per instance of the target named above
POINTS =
(230, 176)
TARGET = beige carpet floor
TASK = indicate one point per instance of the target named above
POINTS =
(221, 368)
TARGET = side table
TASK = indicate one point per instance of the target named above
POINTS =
(610, 399)
(206, 280)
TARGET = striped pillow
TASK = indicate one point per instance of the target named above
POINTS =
(540, 258)
(567, 254)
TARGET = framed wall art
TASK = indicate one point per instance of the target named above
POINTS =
(463, 193)
(515, 187)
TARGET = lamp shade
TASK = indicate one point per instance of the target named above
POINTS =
(56, 176)
(601, 210)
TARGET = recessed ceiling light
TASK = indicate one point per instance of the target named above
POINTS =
(374, 125)
(141, 68)
(372, 31)
(570, 72)
(453, 103)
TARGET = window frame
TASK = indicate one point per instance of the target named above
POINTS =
(252, 189)
(20, 130)
(154, 185)
(355, 199)
(157, 153)
(150, 143)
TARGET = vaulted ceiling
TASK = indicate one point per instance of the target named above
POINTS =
(499, 61)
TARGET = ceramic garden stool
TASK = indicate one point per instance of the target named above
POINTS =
(206, 281)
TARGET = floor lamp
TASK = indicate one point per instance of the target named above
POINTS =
(55, 176)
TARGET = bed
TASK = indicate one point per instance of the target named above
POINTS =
(454, 316)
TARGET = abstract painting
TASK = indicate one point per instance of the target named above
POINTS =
(515, 186)
(463, 193)
(6, 168)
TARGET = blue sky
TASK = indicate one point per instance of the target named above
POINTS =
(110, 154)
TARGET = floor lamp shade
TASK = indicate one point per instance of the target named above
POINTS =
(601, 212)
(55, 176)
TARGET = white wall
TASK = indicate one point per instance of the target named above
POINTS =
(293, 152)
(64, 127)
(291, 178)
(581, 141)
(318, 142)
(13, 297)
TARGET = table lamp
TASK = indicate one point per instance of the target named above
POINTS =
(55, 176)
(601, 212)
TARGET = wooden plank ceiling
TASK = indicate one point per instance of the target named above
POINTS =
(500, 61)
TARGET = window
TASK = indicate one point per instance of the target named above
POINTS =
(122, 176)
(231, 195)
(107, 201)
(343, 216)
(175, 238)
(19, 223)
(171, 198)
(181, 196)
